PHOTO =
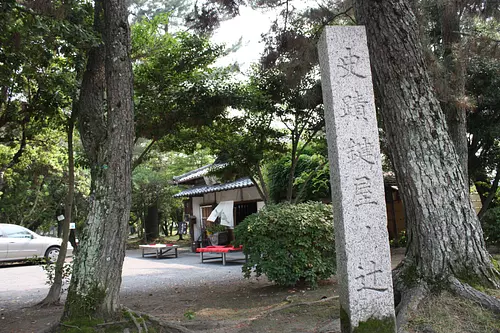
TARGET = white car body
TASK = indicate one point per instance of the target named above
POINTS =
(19, 243)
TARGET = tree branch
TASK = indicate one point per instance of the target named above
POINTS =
(140, 159)
(468, 34)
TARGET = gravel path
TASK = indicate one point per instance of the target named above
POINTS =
(24, 285)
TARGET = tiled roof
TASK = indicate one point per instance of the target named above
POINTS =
(200, 190)
(194, 174)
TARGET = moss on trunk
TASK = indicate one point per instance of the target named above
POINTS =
(372, 325)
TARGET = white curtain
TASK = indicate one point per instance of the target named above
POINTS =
(224, 210)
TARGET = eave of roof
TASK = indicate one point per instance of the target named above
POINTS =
(200, 190)
(197, 173)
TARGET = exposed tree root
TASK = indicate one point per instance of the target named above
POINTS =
(136, 323)
(464, 290)
(409, 298)
(70, 326)
(176, 328)
(112, 323)
(291, 305)
(47, 303)
(172, 328)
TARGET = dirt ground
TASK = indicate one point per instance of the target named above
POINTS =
(245, 306)
(248, 306)
(257, 306)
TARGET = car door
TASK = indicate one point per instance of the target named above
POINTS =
(20, 243)
(3, 245)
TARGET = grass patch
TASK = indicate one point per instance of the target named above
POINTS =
(446, 313)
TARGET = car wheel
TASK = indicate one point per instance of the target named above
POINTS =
(52, 253)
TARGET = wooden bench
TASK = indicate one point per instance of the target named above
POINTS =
(221, 251)
(160, 250)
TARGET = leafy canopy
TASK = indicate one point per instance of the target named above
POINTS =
(176, 83)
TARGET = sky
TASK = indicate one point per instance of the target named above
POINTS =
(249, 26)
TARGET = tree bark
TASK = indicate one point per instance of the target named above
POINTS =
(96, 279)
(445, 236)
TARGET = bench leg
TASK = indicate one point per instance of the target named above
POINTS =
(143, 252)
(201, 257)
(175, 252)
(224, 258)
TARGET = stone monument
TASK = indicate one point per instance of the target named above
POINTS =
(363, 255)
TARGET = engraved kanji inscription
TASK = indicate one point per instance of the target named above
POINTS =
(355, 105)
(361, 151)
(363, 191)
(348, 64)
(371, 278)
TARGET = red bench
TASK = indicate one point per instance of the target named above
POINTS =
(219, 249)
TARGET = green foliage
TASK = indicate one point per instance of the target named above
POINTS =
(483, 85)
(151, 183)
(189, 315)
(176, 85)
(289, 243)
(401, 241)
(50, 269)
(491, 226)
(244, 144)
(216, 228)
(35, 187)
(311, 181)
(42, 50)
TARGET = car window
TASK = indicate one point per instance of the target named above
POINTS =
(15, 231)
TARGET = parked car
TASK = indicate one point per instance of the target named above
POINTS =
(19, 243)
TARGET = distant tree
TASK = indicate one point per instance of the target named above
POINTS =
(244, 145)
(152, 195)
(454, 33)
(39, 43)
(177, 88)
(312, 177)
(483, 85)
(177, 10)
(296, 102)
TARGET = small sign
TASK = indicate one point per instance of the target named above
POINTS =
(72, 225)
(60, 217)
(182, 228)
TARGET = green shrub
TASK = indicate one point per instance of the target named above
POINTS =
(289, 243)
(491, 226)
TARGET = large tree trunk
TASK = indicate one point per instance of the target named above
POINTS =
(96, 278)
(445, 236)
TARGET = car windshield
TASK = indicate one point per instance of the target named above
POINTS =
(15, 231)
